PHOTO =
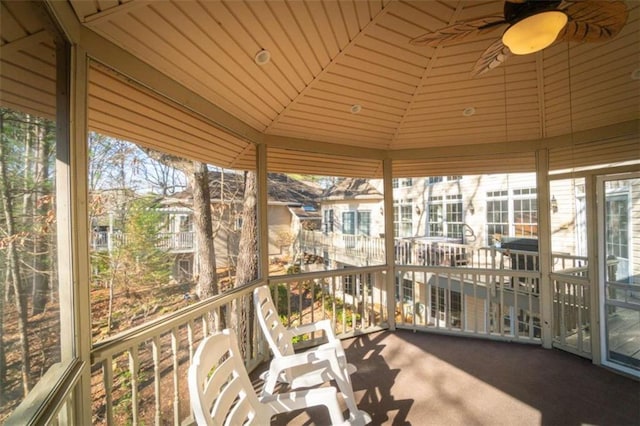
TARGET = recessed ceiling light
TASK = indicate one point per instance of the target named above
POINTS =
(262, 57)
(356, 108)
(635, 75)
(468, 111)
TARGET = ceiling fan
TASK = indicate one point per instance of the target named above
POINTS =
(532, 25)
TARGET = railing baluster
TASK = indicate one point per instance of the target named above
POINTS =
(155, 348)
(107, 380)
(133, 370)
(175, 344)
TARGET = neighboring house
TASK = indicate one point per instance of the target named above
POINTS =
(448, 220)
(292, 206)
(477, 211)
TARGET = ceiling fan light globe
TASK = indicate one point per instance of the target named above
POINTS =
(534, 32)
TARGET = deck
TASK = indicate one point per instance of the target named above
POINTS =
(407, 378)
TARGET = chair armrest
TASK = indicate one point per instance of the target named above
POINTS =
(322, 325)
(322, 359)
(303, 358)
(287, 402)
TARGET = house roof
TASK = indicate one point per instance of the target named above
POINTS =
(181, 77)
(305, 214)
(282, 189)
(352, 189)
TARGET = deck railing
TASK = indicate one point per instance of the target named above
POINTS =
(571, 312)
(494, 303)
(171, 241)
(364, 250)
(133, 370)
(136, 372)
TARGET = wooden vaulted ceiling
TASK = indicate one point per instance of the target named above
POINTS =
(327, 55)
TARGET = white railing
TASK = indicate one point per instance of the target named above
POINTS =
(176, 240)
(501, 304)
(137, 371)
(564, 262)
(172, 241)
(572, 312)
(364, 250)
(354, 299)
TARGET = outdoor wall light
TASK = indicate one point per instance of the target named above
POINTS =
(418, 211)
(554, 204)
(534, 32)
(472, 208)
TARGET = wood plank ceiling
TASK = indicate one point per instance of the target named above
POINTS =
(327, 55)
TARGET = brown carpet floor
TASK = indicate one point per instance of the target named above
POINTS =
(407, 378)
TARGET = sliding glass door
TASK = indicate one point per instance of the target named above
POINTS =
(619, 221)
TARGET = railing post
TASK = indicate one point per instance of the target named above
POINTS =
(544, 246)
(389, 242)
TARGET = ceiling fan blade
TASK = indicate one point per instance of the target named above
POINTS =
(458, 32)
(593, 20)
(494, 56)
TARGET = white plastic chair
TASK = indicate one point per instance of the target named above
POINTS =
(222, 394)
(316, 366)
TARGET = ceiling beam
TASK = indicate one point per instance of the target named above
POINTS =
(627, 128)
(318, 147)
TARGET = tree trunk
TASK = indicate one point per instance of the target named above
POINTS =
(40, 273)
(3, 358)
(14, 267)
(207, 284)
(247, 269)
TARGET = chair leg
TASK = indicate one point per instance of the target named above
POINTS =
(357, 417)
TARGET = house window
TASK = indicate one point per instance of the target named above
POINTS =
(525, 212)
(327, 221)
(453, 178)
(497, 215)
(364, 223)
(403, 218)
(445, 216)
(356, 222)
(435, 179)
(347, 281)
(397, 183)
(184, 223)
(407, 290)
(617, 220)
(185, 269)
(436, 208)
(349, 223)
(445, 303)
(454, 215)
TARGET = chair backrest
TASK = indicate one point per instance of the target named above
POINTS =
(279, 338)
(219, 386)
